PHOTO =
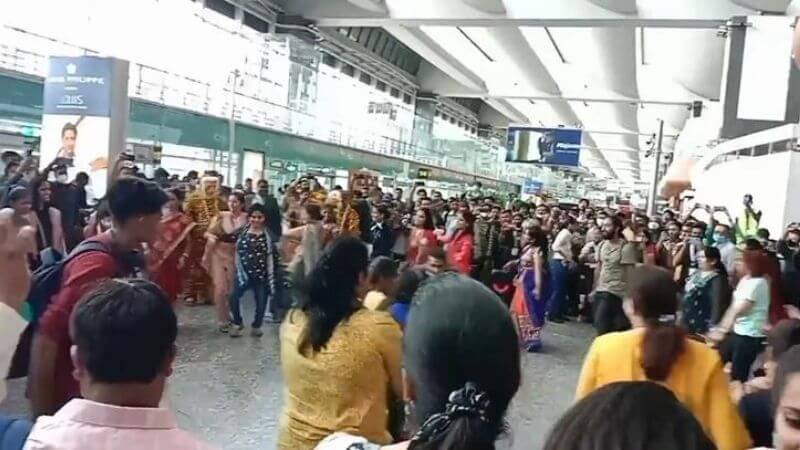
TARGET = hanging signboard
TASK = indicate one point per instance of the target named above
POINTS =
(545, 146)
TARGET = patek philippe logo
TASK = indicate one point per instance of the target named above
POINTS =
(71, 69)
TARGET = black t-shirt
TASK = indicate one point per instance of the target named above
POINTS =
(65, 198)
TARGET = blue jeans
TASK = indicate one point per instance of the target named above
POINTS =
(559, 275)
(261, 294)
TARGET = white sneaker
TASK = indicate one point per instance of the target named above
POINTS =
(236, 331)
(256, 332)
(224, 327)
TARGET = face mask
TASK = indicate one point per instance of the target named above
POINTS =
(61, 178)
(720, 239)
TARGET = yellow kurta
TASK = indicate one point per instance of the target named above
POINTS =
(346, 386)
(696, 379)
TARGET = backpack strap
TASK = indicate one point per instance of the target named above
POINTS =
(13, 433)
(86, 247)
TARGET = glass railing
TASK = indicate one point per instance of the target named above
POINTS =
(179, 91)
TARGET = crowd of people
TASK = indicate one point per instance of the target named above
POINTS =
(403, 316)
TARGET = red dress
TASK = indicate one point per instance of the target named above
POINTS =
(460, 252)
(421, 242)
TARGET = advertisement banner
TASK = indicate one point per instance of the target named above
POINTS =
(546, 146)
(532, 187)
(78, 86)
(85, 113)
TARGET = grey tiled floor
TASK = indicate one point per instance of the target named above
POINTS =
(228, 391)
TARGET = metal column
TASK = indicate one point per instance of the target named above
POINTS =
(651, 201)
(232, 130)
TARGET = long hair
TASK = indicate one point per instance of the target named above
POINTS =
(462, 354)
(756, 262)
(538, 238)
(332, 296)
(36, 198)
(469, 221)
(655, 299)
(712, 253)
(428, 225)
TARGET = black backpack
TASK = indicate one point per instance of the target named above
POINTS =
(45, 283)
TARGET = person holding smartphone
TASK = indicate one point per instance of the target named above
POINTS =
(747, 223)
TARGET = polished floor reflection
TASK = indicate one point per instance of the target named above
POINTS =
(228, 391)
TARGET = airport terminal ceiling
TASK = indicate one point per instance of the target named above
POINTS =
(612, 67)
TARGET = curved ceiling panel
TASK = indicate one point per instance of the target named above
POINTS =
(488, 6)
(441, 8)
(619, 6)
(378, 6)
(606, 57)
(559, 9)
(519, 55)
(617, 141)
(337, 8)
(773, 6)
(699, 69)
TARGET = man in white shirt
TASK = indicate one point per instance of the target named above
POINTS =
(15, 241)
(559, 271)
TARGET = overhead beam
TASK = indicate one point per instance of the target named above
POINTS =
(519, 22)
(561, 98)
(628, 133)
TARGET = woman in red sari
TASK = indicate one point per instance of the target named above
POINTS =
(166, 258)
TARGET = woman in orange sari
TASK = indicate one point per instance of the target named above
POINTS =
(166, 257)
(530, 297)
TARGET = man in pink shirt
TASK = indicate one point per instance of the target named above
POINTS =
(124, 346)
